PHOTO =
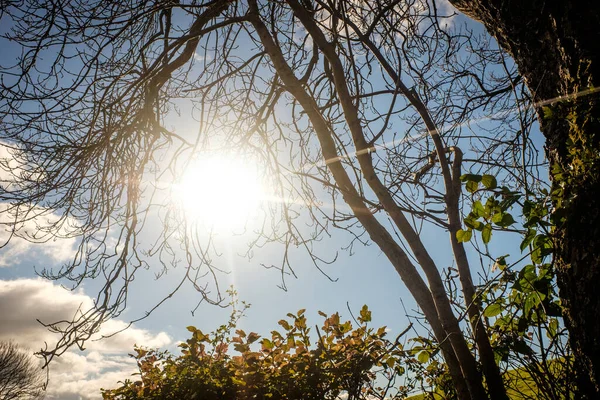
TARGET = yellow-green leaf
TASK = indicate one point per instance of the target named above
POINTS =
(492, 310)
(464, 236)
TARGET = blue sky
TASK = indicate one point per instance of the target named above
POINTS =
(363, 277)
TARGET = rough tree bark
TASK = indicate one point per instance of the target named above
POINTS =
(556, 45)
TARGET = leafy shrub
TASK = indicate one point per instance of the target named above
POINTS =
(232, 364)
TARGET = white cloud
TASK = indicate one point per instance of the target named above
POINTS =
(79, 376)
(74, 375)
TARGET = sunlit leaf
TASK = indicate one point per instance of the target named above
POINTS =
(464, 236)
(423, 356)
(492, 310)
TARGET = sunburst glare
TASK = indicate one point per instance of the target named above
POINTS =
(223, 192)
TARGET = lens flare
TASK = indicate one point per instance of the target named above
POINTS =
(221, 192)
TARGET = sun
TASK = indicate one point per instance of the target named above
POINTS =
(221, 192)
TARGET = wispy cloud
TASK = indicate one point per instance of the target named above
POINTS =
(17, 250)
(30, 232)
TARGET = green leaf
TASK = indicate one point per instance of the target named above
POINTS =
(423, 356)
(542, 247)
(464, 236)
(502, 321)
(492, 310)
(486, 233)
(470, 178)
(472, 186)
(527, 276)
(489, 181)
(509, 199)
(552, 328)
(507, 220)
(529, 236)
(491, 206)
(503, 220)
(365, 314)
(472, 223)
(266, 344)
(478, 209)
(531, 301)
(500, 263)
(497, 217)
(536, 255)
(554, 309)
(521, 347)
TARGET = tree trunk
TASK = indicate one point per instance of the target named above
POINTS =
(556, 45)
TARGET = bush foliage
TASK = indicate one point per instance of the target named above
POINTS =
(347, 361)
